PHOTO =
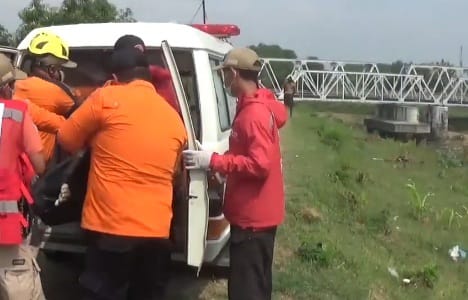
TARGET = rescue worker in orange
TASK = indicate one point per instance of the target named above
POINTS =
(20, 158)
(136, 139)
(48, 54)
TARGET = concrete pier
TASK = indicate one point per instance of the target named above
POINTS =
(397, 120)
(438, 119)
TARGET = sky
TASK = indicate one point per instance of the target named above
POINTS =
(360, 30)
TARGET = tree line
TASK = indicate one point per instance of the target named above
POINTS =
(39, 14)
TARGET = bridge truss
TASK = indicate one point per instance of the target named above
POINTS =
(324, 80)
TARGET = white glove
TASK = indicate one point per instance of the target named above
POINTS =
(197, 159)
(194, 159)
(221, 179)
(34, 180)
(64, 194)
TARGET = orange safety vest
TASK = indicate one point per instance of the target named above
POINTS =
(15, 170)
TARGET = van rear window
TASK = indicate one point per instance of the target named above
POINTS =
(93, 71)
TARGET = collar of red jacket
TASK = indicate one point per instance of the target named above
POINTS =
(260, 96)
(267, 98)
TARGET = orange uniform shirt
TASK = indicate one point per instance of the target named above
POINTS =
(45, 121)
(136, 139)
(47, 96)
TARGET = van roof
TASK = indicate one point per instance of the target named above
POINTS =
(106, 34)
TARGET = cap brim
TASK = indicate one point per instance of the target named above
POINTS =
(19, 75)
(220, 67)
(70, 64)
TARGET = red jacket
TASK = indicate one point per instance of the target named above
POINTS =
(254, 189)
(162, 81)
(12, 185)
(11, 149)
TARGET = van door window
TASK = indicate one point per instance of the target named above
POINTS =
(186, 66)
(226, 104)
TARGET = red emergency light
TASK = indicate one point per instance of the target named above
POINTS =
(218, 30)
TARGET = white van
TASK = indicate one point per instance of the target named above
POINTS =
(207, 111)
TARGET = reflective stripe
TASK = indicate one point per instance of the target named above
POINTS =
(8, 206)
(14, 114)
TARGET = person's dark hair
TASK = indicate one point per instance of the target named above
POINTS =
(129, 41)
(249, 75)
(129, 64)
(129, 75)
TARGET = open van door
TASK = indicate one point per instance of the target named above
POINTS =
(198, 206)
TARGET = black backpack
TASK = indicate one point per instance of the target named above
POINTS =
(72, 170)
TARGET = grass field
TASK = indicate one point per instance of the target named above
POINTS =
(351, 214)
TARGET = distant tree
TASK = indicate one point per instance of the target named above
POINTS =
(396, 67)
(315, 65)
(6, 39)
(39, 14)
(393, 68)
(36, 14)
(273, 51)
(354, 67)
(125, 15)
(92, 11)
(281, 69)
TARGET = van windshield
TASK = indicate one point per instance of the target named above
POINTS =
(93, 71)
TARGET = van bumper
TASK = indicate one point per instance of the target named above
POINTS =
(69, 238)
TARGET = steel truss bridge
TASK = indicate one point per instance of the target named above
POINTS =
(323, 80)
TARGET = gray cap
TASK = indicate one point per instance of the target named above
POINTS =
(9, 73)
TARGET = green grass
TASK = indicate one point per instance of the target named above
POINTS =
(370, 219)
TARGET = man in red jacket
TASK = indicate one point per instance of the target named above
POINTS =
(254, 199)
(161, 77)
